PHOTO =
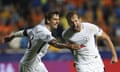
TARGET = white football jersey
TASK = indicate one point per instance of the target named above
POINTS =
(39, 36)
(86, 38)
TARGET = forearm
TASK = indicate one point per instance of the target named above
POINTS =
(15, 34)
(20, 33)
(111, 46)
(60, 45)
(109, 43)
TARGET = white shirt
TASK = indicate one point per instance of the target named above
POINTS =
(86, 37)
(39, 36)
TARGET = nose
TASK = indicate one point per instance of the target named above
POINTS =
(75, 22)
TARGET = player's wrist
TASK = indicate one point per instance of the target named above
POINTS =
(70, 46)
(115, 56)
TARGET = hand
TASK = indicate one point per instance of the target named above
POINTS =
(114, 60)
(75, 46)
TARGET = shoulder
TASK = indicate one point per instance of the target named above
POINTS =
(67, 33)
(89, 26)
(43, 33)
(41, 29)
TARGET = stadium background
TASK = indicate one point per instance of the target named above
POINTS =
(104, 13)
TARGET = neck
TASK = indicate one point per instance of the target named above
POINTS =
(79, 28)
(48, 27)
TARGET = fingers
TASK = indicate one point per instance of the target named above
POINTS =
(113, 61)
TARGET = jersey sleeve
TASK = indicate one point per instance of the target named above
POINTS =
(21, 33)
(67, 34)
(96, 30)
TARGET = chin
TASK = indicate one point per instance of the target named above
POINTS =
(76, 30)
(55, 27)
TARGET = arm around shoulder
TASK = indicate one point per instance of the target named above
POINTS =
(64, 45)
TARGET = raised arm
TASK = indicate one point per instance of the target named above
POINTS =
(17, 34)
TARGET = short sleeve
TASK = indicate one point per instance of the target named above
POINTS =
(97, 31)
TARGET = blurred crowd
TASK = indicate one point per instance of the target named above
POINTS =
(104, 13)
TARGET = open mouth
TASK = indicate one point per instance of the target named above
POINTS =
(76, 28)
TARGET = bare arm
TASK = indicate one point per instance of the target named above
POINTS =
(111, 46)
(64, 45)
(16, 34)
(20, 33)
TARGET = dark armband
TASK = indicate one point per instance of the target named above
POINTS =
(25, 32)
(8, 39)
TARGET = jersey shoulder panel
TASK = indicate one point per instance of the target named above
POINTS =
(88, 25)
(93, 28)
(67, 33)
(41, 29)
(43, 33)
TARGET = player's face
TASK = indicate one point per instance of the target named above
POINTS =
(75, 22)
(54, 21)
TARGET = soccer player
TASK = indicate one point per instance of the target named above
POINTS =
(39, 39)
(87, 58)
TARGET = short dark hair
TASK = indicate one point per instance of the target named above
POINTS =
(70, 14)
(50, 14)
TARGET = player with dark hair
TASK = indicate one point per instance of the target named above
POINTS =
(39, 39)
(87, 58)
